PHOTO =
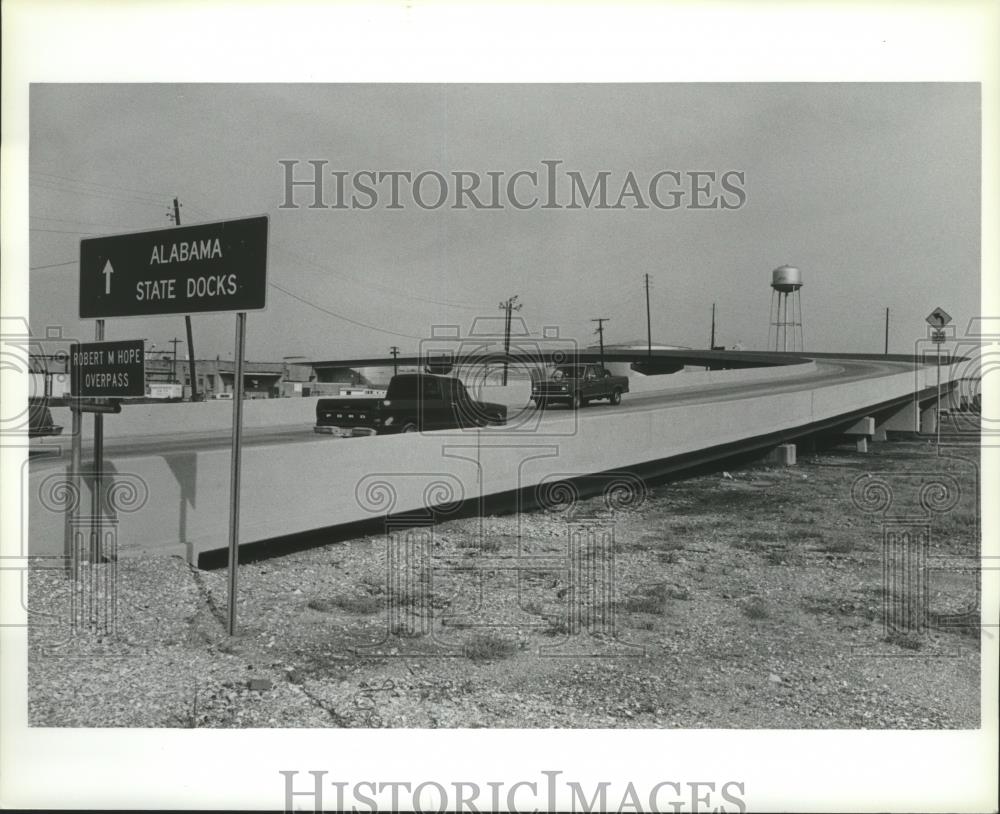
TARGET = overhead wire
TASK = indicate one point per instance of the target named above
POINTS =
(102, 195)
(61, 231)
(334, 314)
(152, 195)
(84, 222)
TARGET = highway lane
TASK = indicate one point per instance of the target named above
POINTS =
(827, 372)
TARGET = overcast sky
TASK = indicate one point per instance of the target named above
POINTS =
(872, 190)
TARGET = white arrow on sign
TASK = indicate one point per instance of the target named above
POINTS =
(108, 271)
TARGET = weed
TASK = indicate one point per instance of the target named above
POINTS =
(658, 543)
(683, 528)
(652, 598)
(756, 609)
(821, 605)
(843, 545)
(482, 543)
(532, 606)
(776, 556)
(373, 585)
(752, 546)
(905, 640)
(404, 632)
(487, 647)
(800, 535)
(646, 602)
(352, 604)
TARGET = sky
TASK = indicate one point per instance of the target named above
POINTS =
(872, 190)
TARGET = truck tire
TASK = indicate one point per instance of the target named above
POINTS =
(616, 396)
(409, 426)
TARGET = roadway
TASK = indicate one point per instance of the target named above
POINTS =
(827, 372)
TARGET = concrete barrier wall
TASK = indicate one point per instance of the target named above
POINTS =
(699, 378)
(204, 416)
(178, 502)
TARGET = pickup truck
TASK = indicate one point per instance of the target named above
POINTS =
(576, 385)
(413, 402)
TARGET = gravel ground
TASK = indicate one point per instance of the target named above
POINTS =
(742, 599)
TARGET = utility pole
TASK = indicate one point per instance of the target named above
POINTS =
(649, 326)
(711, 343)
(600, 334)
(187, 322)
(886, 331)
(173, 367)
(394, 350)
(509, 305)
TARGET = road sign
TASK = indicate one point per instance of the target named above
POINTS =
(108, 369)
(209, 267)
(937, 337)
(938, 318)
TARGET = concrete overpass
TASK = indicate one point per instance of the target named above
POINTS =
(169, 490)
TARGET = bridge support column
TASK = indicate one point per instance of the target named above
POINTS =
(904, 419)
(862, 431)
(928, 420)
(782, 455)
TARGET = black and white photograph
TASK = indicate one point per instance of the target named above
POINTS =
(395, 412)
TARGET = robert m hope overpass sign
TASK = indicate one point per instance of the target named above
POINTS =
(108, 369)
(182, 270)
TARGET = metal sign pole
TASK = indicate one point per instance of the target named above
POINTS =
(234, 477)
(73, 507)
(96, 508)
(937, 416)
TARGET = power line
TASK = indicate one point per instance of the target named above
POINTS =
(406, 295)
(341, 316)
(94, 194)
(84, 222)
(143, 192)
(61, 231)
(53, 265)
(48, 183)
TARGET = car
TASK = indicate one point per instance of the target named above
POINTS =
(414, 402)
(577, 385)
(40, 422)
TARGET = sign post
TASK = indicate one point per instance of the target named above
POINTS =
(937, 319)
(234, 473)
(96, 504)
(76, 465)
(205, 268)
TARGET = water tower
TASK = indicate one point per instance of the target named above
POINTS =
(786, 281)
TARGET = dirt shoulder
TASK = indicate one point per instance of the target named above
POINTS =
(744, 599)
